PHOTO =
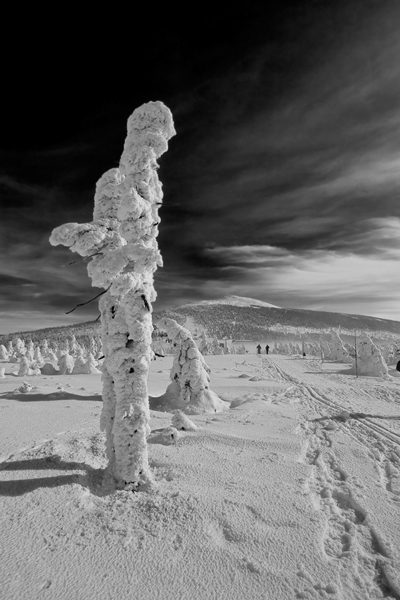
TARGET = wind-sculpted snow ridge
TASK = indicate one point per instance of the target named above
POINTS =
(189, 390)
(121, 241)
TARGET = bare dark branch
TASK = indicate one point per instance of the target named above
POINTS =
(82, 258)
(89, 301)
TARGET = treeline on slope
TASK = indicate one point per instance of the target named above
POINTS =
(228, 321)
(242, 322)
(83, 332)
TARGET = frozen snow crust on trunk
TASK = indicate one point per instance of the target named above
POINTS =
(189, 389)
(122, 242)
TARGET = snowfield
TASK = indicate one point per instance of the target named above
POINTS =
(294, 492)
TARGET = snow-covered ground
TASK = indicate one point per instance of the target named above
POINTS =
(275, 498)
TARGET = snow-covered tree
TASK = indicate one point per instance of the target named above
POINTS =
(189, 389)
(369, 359)
(51, 357)
(44, 347)
(65, 364)
(122, 242)
(24, 368)
(93, 346)
(3, 353)
(37, 357)
(79, 362)
(19, 347)
(86, 367)
(203, 344)
(337, 350)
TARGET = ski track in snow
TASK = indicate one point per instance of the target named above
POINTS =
(272, 500)
(349, 535)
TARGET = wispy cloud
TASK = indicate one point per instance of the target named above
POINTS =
(320, 279)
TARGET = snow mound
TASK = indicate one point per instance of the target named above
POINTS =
(205, 402)
(182, 422)
(168, 436)
(48, 369)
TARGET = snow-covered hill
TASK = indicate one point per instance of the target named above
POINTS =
(233, 301)
(236, 317)
(246, 318)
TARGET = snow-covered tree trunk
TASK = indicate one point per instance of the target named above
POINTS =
(122, 239)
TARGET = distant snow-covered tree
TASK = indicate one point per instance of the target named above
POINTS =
(19, 347)
(3, 353)
(369, 359)
(65, 364)
(337, 351)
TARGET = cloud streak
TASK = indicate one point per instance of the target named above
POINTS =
(282, 183)
(321, 279)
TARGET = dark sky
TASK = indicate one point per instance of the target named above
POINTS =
(283, 178)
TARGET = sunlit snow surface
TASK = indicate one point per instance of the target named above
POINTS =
(273, 499)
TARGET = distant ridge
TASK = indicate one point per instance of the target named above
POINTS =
(239, 318)
(232, 301)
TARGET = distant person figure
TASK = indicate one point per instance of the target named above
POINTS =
(398, 366)
(266, 349)
(258, 349)
(304, 354)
